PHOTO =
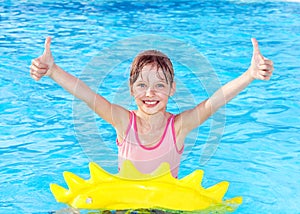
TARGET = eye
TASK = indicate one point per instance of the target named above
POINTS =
(142, 85)
(160, 85)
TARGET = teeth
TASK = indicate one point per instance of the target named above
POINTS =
(150, 102)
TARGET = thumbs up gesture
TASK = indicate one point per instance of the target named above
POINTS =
(42, 65)
(261, 67)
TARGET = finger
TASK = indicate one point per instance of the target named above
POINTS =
(38, 70)
(38, 64)
(39, 73)
(268, 62)
(265, 67)
(35, 76)
(47, 45)
(264, 77)
(255, 46)
(47, 51)
(265, 73)
(42, 71)
(256, 51)
(33, 68)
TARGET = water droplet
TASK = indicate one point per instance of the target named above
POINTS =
(89, 200)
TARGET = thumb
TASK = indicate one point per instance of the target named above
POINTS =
(256, 51)
(47, 51)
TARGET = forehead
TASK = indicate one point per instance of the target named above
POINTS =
(151, 71)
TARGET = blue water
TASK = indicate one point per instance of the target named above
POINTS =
(42, 132)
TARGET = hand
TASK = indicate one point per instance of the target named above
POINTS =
(42, 65)
(261, 67)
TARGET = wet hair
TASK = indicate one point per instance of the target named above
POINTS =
(155, 58)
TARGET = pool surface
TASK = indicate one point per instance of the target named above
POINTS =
(45, 131)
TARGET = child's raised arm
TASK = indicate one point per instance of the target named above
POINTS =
(260, 68)
(45, 66)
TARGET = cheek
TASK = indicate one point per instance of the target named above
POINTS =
(164, 92)
(137, 93)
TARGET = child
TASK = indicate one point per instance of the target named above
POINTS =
(150, 135)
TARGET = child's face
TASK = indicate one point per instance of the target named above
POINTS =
(151, 90)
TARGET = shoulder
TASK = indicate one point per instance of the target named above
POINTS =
(121, 118)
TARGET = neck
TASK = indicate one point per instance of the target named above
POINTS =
(152, 120)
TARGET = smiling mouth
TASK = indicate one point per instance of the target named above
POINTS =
(150, 102)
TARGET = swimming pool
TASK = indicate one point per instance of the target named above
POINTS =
(39, 138)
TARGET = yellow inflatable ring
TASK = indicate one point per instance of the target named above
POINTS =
(131, 190)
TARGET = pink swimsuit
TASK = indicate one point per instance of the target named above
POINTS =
(147, 159)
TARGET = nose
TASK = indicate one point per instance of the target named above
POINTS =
(149, 92)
